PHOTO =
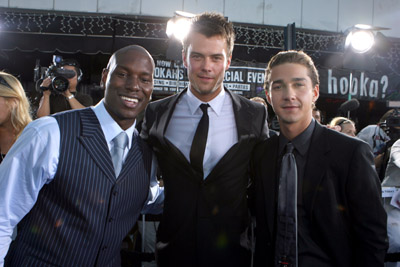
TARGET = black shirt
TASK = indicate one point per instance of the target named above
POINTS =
(59, 102)
(309, 252)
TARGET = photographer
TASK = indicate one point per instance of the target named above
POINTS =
(392, 204)
(54, 101)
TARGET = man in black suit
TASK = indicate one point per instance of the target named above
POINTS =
(205, 209)
(340, 218)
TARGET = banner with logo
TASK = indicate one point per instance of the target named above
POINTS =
(247, 79)
(335, 83)
(242, 78)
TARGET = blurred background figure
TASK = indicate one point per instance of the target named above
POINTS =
(316, 113)
(60, 88)
(272, 130)
(14, 111)
(391, 182)
(380, 138)
(259, 100)
(343, 125)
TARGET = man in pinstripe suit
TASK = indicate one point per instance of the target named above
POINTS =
(58, 181)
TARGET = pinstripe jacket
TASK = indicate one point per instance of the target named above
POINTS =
(81, 217)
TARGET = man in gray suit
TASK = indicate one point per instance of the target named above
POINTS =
(72, 205)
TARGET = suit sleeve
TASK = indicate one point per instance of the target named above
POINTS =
(368, 217)
(144, 133)
(264, 125)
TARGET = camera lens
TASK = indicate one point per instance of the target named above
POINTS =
(60, 84)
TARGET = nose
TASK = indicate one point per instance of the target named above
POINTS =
(132, 83)
(207, 63)
(289, 93)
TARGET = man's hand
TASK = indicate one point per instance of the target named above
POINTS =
(67, 93)
(46, 84)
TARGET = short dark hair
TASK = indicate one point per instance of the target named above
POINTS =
(74, 63)
(211, 24)
(292, 56)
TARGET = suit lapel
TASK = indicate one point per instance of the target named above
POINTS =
(165, 112)
(316, 166)
(134, 156)
(93, 140)
(243, 116)
(243, 120)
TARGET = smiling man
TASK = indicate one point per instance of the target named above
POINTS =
(339, 218)
(72, 191)
(205, 209)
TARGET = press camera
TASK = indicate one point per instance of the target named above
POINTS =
(392, 123)
(59, 76)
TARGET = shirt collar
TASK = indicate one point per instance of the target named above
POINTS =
(301, 142)
(109, 126)
(216, 104)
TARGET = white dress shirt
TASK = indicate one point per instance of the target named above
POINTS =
(222, 131)
(32, 162)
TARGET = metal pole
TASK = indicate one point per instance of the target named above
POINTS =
(350, 88)
(177, 76)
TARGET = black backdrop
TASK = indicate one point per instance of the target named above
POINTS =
(27, 36)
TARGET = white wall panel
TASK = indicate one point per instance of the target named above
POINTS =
(36, 4)
(387, 14)
(329, 15)
(76, 5)
(282, 12)
(4, 3)
(249, 11)
(196, 6)
(320, 14)
(161, 8)
(354, 12)
(119, 6)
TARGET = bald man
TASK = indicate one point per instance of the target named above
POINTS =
(59, 183)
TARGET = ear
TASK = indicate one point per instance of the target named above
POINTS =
(315, 93)
(184, 57)
(104, 75)
(12, 102)
(268, 97)
(228, 62)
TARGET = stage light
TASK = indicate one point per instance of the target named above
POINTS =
(361, 41)
(361, 37)
(179, 26)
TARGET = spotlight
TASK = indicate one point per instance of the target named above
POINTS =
(179, 26)
(360, 41)
(361, 37)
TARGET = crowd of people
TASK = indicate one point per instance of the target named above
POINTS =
(74, 183)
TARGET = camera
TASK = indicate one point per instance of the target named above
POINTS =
(59, 76)
(392, 123)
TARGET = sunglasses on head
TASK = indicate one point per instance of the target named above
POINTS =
(4, 82)
(343, 122)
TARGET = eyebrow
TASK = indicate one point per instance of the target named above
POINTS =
(292, 80)
(213, 55)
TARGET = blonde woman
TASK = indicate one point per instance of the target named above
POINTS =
(15, 111)
(343, 125)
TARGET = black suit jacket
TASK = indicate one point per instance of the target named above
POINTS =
(203, 218)
(341, 196)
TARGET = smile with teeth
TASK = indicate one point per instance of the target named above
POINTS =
(134, 100)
